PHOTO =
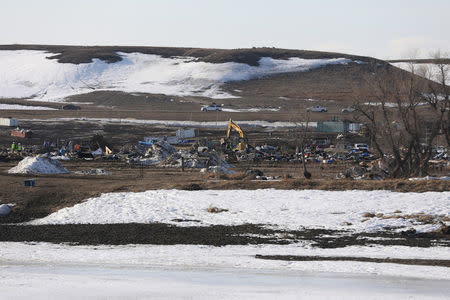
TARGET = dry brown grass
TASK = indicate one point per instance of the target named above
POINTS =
(237, 176)
(214, 209)
(286, 176)
(368, 215)
(419, 217)
(422, 218)
(332, 185)
(240, 176)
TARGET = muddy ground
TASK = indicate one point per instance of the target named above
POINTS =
(219, 235)
(215, 235)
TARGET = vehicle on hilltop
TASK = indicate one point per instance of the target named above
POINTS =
(212, 107)
(317, 108)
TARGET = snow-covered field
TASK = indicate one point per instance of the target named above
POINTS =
(29, 74)
(45, 270)
(239, 257)
(42, 270)
(287, 209)
(52, 281)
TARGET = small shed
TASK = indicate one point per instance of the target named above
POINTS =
(332, 126)
(338, 127)
(185, 133)
(11, 122)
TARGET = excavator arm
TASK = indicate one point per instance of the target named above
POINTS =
(232, 125)
(243, 143)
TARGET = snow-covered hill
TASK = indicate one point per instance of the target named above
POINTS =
(30, 74)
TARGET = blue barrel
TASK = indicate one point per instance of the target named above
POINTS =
(29, 182)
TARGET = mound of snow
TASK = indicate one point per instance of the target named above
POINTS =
(38, 165)
(29, 74)
(285, 209)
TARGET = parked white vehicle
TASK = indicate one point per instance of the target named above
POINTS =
(212, 107)
(348, 109)
(317, 108)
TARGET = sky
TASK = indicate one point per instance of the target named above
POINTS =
(385, 29)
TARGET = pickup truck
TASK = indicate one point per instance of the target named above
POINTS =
(211, 107)
(317, 108)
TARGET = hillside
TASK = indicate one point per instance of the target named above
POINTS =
(85, 54)
(166, 83)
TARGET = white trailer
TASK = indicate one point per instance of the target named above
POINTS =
(11, 122)
(185, 133)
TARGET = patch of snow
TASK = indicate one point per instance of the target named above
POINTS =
(255, 109)
(38, 165)
(430, 178)
(391, 104)
(23, 107)
(60, 157)
(29, 74)
(285, 209)
(176, 123)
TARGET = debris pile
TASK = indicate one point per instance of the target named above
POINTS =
(201, 155)
(38, 165)
(155, 154)
(93, 172)
(375, 170)
(193, 159)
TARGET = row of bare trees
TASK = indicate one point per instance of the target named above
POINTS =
(407, 114)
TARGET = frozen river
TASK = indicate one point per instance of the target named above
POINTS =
(56, 281)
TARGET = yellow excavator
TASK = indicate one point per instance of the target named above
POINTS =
(243, 145)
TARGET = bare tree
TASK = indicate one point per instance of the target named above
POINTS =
(438, 97)
(404, 113)
(302, 131)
